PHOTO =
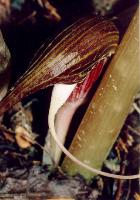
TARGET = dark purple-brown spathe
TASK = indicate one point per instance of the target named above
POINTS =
(68, 59)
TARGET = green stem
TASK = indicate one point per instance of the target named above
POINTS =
(109, 107)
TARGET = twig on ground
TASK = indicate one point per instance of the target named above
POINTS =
(52, 11)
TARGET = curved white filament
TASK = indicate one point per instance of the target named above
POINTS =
(77, 161)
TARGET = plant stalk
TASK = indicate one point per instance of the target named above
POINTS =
(109, 107)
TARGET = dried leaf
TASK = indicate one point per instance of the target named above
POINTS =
(23, 138)
(137, 196)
